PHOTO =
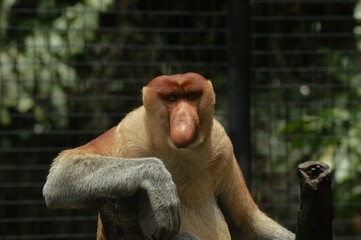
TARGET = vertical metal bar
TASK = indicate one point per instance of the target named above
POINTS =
(239, 83)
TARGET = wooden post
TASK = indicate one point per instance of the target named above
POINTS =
(122, 218)
(315, 214)
(119, 219)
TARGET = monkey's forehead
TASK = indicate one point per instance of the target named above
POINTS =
(186, 81)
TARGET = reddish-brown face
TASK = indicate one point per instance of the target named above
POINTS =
(181, 94)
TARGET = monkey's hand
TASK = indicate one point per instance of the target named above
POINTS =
(78, 181)
(158, 206)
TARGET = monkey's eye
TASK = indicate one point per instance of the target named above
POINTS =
(171, 97)
(192, 95)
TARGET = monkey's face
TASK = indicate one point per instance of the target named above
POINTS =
(183, 104)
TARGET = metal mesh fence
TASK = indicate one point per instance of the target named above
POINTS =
(69, 70)
(72, 69)
(305, 77)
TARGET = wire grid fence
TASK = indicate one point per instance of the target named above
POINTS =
(72, 69)
(69, 70)
(305, 105)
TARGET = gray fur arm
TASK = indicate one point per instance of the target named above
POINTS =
(75, 182)
(79, 182)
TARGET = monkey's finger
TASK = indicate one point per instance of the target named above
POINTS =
(186, 236)
(175, 223)
(168, 223)
(177, 218)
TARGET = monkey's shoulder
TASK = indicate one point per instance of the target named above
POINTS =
(102, 145)
(132, 135)
(133, 119)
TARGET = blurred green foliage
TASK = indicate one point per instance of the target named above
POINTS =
(35, 57)
(333, 134)
(307, 102)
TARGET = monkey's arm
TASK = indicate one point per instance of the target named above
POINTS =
(78, 180)
(237, 202)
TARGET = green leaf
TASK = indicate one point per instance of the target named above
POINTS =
(25, 103)
(5, 118)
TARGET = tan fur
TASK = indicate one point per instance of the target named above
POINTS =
(197, 172)
(205, 172)
(100, 235)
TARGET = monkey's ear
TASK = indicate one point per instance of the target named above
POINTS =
(151, 101)
(149, 96)
(211, 98)
(144, 90)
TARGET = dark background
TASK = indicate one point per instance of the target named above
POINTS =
(71, 69)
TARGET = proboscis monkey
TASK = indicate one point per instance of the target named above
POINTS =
(194, 185)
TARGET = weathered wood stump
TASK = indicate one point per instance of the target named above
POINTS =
(315, 214)
(122, 218)
(119, 219)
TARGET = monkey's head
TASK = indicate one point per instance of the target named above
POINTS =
(180, 108)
